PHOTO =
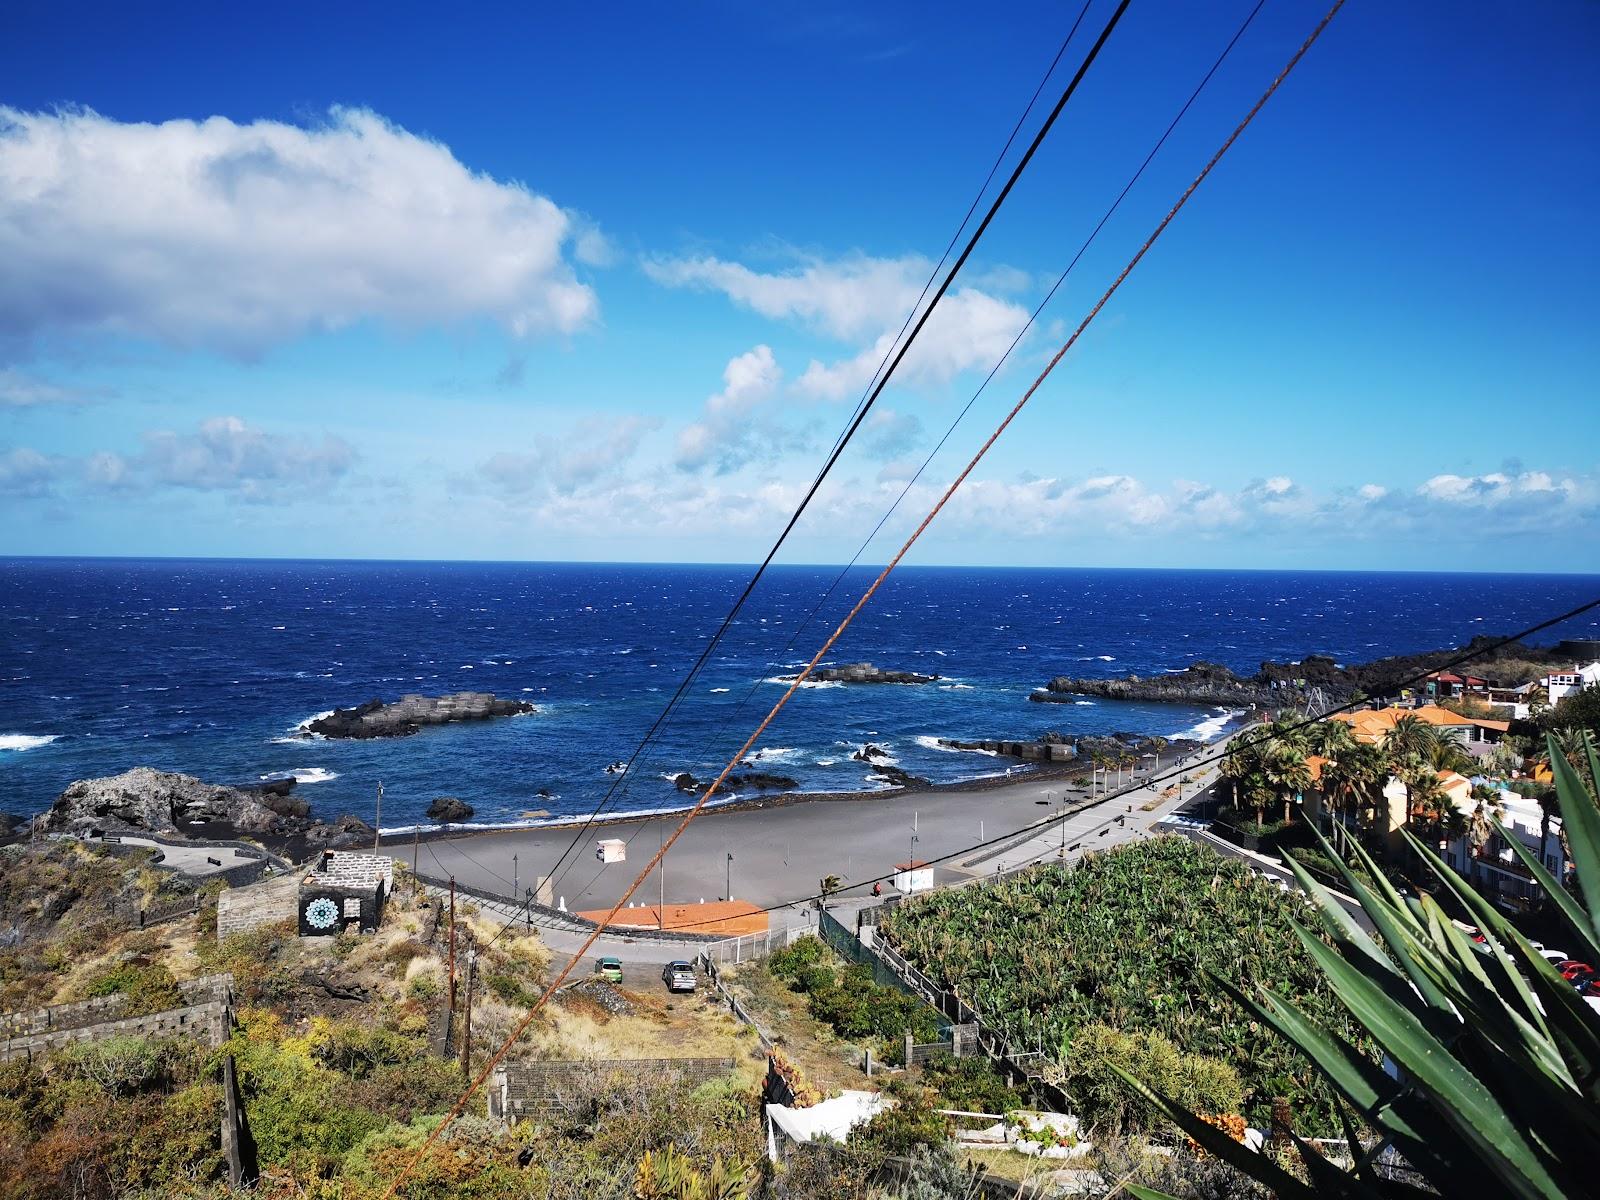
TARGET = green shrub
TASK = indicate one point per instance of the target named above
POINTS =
(790, 961)
(969, 1084)
(149, 988)
(1103, 1099)
(508, 988)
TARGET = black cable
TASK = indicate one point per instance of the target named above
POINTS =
(1005, 357)
(1204, 760)
(855, 424)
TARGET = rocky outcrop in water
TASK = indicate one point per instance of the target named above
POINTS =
(865, 672)
(750, 781)
(449, 808)
(883, 766)
(405, 716)
(160, 802)
(1203, 684)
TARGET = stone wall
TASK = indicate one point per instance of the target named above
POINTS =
(208, 1016)
(241, 909)
(520, 1089)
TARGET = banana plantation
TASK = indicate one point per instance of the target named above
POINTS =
(1137, 939)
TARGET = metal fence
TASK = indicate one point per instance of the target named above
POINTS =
(751, 946)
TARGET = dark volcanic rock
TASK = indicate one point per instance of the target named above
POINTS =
(755, 781)
(872, 753)
(864, 672)
(158, 802)
(145, 800)
(898, 777)
(377, 719)
(448, 808)
(1279, 685)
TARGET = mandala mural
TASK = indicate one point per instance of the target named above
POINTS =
(322, 913)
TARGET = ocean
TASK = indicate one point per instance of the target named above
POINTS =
(209, 667)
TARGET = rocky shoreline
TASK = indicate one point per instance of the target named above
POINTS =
(1280, 685)
(159, 802)
(409, 714)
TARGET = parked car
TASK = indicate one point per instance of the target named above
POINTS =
(678, 976)
(609, 969)
(1573, 969)
(1555, 957)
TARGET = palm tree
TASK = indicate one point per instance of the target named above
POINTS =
(1447, 754)
(1407, 746)
(1331, 738)
(1286, 774)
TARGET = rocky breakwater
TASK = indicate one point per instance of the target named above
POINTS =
(158, 802)
(1052, 747)
(1202, 684)
(884, 767)
(865, 672)
(405, 716)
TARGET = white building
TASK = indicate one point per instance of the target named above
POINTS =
(913, 876)
(1560, 684)
(1493, 868)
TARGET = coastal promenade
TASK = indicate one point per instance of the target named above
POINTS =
(781, 853)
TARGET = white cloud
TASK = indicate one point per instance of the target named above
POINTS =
(235, 237)
(591, 450)
(20, 390)
(1498, 488)
(225, 454)
(732, 430)
(26, 472)
(858, 299)
(1372, 492)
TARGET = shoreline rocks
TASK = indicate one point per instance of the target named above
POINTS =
(865, 672)
(1281, 685)
(448, 809)
(756, 781)
(144, 800)
(410, 713)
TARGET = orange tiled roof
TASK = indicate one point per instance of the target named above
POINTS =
(1372, 725)
(719, 916)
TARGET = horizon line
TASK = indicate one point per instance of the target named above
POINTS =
(575, 562)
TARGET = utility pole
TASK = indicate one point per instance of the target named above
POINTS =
(450, 1015)
(728, 885)
(416, 842)
(661, 831)
(377, 820)
(466, 1016)
(513, 874)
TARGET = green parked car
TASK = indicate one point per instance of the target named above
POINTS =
(609, 969)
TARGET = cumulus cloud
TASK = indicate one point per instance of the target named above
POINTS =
(591, 450)
(228, 455)
(858, 299)
(1498, 488)
(236, 237)
(734, 430)
(20, 390)
(27, 473)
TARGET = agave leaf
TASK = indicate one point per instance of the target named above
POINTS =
(1458, 1095)
(1402, 940)
(1342, 925)
(1214, 1141)
(1580, 820)
(1576, 917)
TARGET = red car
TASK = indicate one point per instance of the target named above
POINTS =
(1572, 969)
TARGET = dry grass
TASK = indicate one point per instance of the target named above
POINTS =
(827, 1061)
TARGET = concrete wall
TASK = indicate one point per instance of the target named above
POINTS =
(241, 909)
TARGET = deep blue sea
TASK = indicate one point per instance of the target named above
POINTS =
(207, 667)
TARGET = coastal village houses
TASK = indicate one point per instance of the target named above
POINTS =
(1483, 858)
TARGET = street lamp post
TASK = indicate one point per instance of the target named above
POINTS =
(728, 885)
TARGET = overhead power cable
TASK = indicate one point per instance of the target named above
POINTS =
(866, 597)
(1061, 279)
(861, 412)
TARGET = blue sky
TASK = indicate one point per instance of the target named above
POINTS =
(374, 283)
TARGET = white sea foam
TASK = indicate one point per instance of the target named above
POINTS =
(827, 762)
(302, 731)
(18, 742)
(773, 754)
(1084, 703)
(1105, 658)
(955, 687)
(786, 680)
(1212, 727)
(928, 742)
(941, 654)
(303, 775)
(714, 691)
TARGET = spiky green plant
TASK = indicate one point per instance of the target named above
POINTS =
(1496, 1083)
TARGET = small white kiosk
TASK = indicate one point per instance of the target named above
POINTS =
(913, 876)
(610, 850)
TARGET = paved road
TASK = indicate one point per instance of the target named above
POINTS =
(783, 852)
